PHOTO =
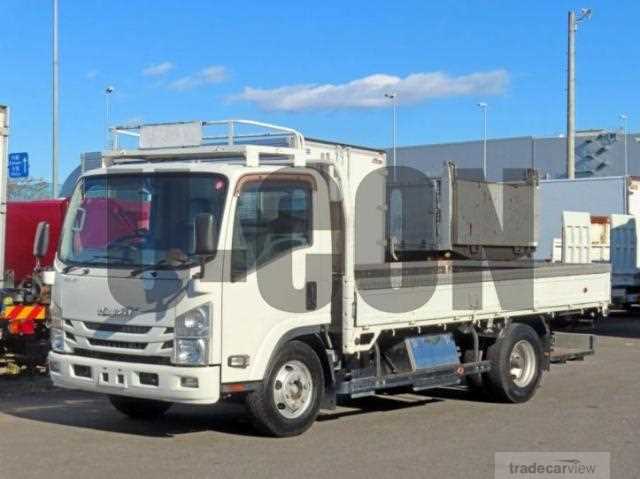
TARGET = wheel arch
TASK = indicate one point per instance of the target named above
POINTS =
(313, 337)
(538, 323)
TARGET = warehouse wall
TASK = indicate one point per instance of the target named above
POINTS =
(597, 154)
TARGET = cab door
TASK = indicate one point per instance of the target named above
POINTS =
(279, 272)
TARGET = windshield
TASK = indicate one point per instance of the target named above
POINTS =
(138, 220)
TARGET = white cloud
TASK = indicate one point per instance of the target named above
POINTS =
(368, 92)
(91, 74)
(158, 70)
(206, 76)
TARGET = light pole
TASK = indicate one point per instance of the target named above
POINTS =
(625, 130)
(585, 14)
(107, 115)
(483, 105)
(394, 100)
(55, 107)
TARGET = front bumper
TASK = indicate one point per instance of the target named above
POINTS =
(123, 378)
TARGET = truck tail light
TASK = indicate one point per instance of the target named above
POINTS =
(25, 327)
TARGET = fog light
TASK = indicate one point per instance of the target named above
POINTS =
(188, 382)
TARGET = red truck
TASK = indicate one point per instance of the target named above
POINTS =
(23, 331)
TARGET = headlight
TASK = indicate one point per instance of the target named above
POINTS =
(194, 323)
(190, 346)
(57, 340)
(190, 351)
(56, 334)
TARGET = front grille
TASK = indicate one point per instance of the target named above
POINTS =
(116, 344)
(117, 328)
(125, 358)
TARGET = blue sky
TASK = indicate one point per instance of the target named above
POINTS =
(320, 67)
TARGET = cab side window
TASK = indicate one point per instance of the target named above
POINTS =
(272, 218)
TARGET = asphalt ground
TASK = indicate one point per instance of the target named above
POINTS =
(590, 405)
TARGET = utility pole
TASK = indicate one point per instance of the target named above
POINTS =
(107, 116)
(4, 173)
(394, 97)
(625, 132)
(484, 106)
(585, 13)
(55, 105)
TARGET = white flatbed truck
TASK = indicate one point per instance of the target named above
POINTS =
(198, 267)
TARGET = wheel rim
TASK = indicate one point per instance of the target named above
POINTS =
(522, 363)
(293, 389)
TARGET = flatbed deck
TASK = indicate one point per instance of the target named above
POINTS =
(431, 293)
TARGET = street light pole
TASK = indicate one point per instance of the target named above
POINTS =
(483, 105)
(625, 131)
(55, 105)
(107, 115)
(393, 97)
(585, 13)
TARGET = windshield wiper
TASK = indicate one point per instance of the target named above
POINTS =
(156, 265)
(164, 262)
(88, 264)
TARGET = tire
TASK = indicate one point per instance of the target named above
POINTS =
(288, 401)
(143, 409)
(516, 365)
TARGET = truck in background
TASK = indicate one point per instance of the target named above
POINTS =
(24, 298)
(600, 196)
(588, 238)
(256, 264)
(24, 334)
(606, 201)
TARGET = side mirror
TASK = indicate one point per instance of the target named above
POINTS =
(41, 240)
(206, 235)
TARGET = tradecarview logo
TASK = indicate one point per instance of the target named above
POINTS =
(525, 465)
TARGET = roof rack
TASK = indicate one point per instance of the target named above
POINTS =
(208, 140)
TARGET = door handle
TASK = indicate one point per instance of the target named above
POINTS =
(312, 295)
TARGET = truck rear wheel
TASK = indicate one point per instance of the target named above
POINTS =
(135, 408)
(516, 364)
(288, 401)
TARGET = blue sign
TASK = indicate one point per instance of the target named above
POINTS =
(18, 165)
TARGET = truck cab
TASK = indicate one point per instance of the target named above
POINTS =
(139, 309)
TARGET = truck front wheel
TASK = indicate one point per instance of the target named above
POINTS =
(288, 401)
(145, 409)
(516, 364)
